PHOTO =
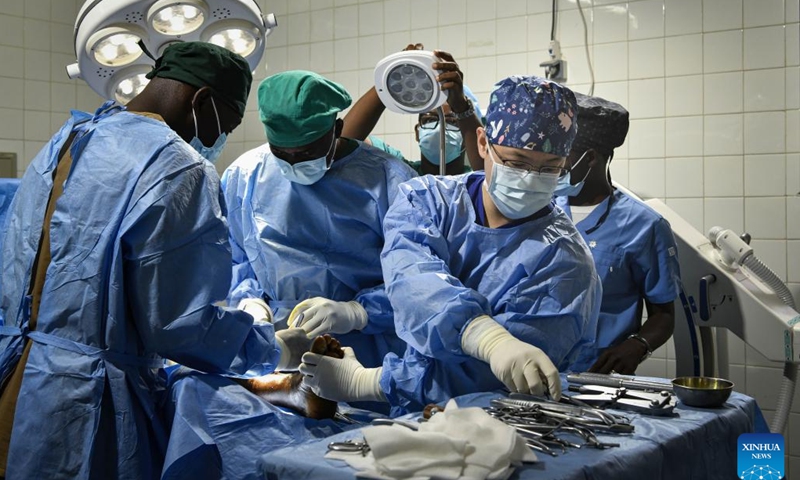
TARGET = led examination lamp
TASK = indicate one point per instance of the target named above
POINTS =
(406, 83)
(109, 35)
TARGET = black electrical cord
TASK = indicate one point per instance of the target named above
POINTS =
(553, 21)
(145, 50)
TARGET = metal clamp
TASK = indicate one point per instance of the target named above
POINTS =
(350, 446)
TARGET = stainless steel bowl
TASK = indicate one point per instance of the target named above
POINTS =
(704, 392)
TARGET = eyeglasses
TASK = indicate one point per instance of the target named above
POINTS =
(528, 168)
(432, 123)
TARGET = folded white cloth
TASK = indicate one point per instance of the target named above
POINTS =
(459, 443)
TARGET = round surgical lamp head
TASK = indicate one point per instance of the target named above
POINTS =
(406, 82)
(127, 83)
(109, 35)
(236, 35)
(116, 46)
(176, 18)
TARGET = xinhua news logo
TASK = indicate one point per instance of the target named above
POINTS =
(761, 456)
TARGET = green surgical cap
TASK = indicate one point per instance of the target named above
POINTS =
(299, 107)
(202, 64)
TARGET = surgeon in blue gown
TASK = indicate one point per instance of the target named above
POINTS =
(632, 246)
(306, 218)
(111, 238)
(491, 283)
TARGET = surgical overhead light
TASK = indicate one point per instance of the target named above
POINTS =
(128, 83)
(235, 35)
(111, 37)
(169, 17)
(115, 46)
(406, 82)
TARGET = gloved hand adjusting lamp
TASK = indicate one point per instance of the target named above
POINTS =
(109, 36)
(406, 83)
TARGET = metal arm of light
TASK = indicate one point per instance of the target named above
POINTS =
(107, 34)
(737, 299)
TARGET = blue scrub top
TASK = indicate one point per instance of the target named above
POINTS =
(636, 257)
(416, 165)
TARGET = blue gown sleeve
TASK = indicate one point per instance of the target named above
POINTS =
(656, 267)
(177, 262)
(375, 300)
(555, 308)
(244, 283)
(431, 306)
(379, 310)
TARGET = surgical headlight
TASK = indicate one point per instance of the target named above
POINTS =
(406, 82)
(112, 35)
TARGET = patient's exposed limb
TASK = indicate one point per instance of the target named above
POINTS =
(287, 389)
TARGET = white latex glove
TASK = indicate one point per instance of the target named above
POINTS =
(293, 343)
(519, 365)
(342, 380)
(257, 308)
(319, 315)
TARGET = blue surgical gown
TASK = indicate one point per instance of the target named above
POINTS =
(8, 187)
(442, 270)
(636, 257)
(140, 251)
(292, 242)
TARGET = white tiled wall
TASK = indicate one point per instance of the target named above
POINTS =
(713, 87)
(35, 93)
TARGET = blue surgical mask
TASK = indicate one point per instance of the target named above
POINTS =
(565, 188)
(213, 152)
(306, 172)
(517, 193)
(429, 144)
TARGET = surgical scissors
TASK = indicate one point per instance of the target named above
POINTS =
(537, 425)
(650, 403)
(584, 416)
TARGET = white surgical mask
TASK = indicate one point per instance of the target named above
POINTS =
(213, 152)
(565, 187)
(429, 145)
(306, 172)
(517, 193)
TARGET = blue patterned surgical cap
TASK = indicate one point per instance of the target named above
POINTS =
(532, 113)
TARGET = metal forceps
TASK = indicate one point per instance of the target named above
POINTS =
(520, 421)
(584, 416)
(350, 446)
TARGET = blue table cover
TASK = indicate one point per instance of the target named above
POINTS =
(218, 429)
(693, 444)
